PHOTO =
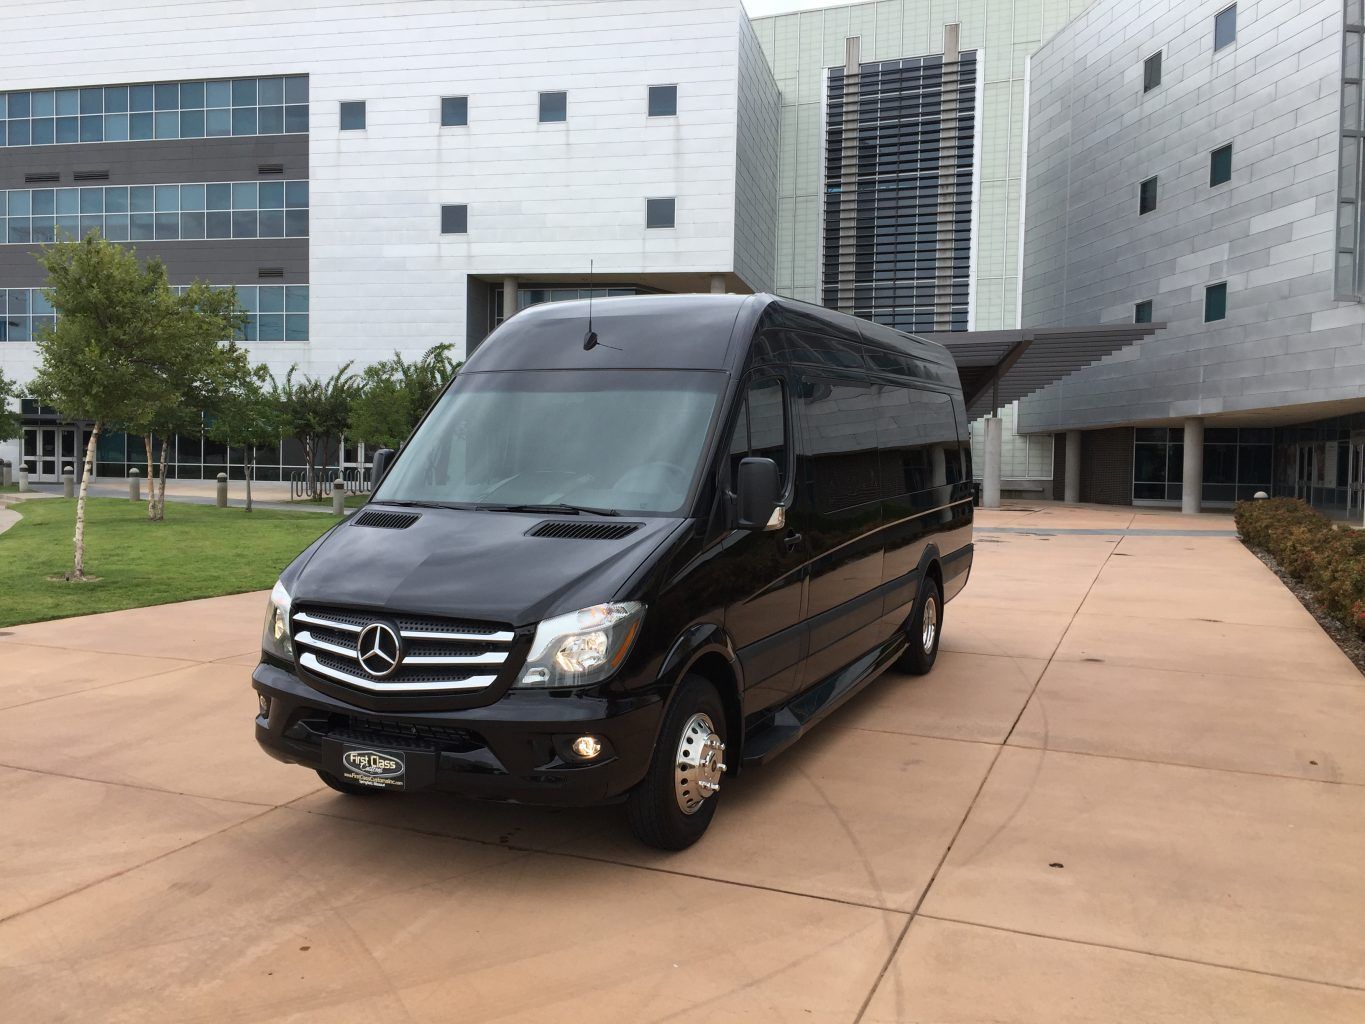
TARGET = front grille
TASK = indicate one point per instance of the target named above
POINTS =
(438, 655)
(384, 733)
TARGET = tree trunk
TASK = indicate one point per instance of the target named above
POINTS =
(161, 481)
(78, 561)
(148, 440)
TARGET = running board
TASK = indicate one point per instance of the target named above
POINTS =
(794, 719)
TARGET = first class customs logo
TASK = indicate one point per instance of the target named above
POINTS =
(372, 767)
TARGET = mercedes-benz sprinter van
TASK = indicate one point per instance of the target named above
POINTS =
(631, 550)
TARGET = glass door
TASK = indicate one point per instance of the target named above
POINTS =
(47, 455)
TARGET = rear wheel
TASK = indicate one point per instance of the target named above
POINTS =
(675, 802)
(349, 788)
(924, 629)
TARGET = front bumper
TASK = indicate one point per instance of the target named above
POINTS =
(514, 749)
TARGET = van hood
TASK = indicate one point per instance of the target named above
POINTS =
(474, 565)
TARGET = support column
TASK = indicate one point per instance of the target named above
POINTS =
(1071, 483)
(509, 297)
(1191, 493)
(717, 284)
(990, 475)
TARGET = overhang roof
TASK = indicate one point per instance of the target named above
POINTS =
(999, 367)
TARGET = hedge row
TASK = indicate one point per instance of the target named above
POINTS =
(1328, 559)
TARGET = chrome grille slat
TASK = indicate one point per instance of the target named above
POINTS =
(307, 639)
(338, 624)
(479, 638)
(491, 658)
(309, 661)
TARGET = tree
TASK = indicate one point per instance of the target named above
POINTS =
(395, 394)
(317, 412)
(199, 366)
(9, 420)
(115, 319)
(248, 415)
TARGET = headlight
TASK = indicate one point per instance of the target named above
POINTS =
(582, 647)
(275, 637)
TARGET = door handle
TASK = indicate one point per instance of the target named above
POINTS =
(792, 540)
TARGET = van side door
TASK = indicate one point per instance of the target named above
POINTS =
(920, 464)
(838, 510)
(762, 572)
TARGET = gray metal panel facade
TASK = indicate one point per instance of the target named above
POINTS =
(757, 125)
(1269, 232)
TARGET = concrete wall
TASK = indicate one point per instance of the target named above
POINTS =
(757, 125)
(1094, 136)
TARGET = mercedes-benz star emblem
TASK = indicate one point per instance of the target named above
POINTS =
(379, 650)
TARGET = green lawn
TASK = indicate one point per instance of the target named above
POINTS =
(198, 551)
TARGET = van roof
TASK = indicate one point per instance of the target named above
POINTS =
(686, 332)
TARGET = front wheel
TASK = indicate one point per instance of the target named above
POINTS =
(924, 629)
(675, 802)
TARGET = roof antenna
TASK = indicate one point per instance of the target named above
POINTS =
(590, 339)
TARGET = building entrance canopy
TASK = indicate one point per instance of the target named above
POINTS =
(1000, 367)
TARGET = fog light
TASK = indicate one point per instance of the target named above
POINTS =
(586, 747)
(265, 704)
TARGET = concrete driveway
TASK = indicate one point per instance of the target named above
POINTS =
(1132, 790)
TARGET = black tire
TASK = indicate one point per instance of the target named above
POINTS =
(349, 788)
(919, 658)
(656, 815)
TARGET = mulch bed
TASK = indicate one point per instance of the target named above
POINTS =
(1350, 642)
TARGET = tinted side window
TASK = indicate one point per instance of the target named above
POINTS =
(839, 419)
(918, 439)
(761, 429)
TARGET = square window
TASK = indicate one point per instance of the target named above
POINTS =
(217, 94)
(67, 130)
(1147, 196)
(191, 124)
(659, 213)
(296, 89)
(244, 224)
(115, 127)
(454, 220)
(167, 96)
(1142, 312)
(139, 126)
(1151, 72)
(191, 96)
(663, 101)
(454, 111)
(271, 121)
(296, 223)
(1215, 302)
(168, 124)
(270, 92)
(353, 116)
(92, 128)
(217, 121)
(296, 195)
(68, 103)
(296, 119)
(1225, 27)
(18, 104)
(244, 92)
(271, 195)
(554, 106)
(139, 98)
(116, 100)
(92, 101)
(1220, 165)
(271, 224)
(243, 120)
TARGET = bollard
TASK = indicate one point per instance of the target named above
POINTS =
(23, 478)
(338, 497)
(68, 482)
(1260, 496)
(134, 484)
(222, 490)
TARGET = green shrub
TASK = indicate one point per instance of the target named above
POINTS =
(1328, 559)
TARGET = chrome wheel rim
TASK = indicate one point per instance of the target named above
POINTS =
(929, 626)
(698, 765)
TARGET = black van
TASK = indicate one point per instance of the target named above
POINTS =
(622, 557)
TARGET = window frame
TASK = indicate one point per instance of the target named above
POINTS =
(649, 96)
(1217, 16)
(454, 207)
(441, 112)
(1213, 154)
(1209, 289)
(1143, 209)
(540, 106)
(364, 115)
(673, 210)
(1146, 62)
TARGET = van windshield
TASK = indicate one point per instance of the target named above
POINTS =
(627, 440)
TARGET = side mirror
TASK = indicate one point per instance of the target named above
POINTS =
(759, 492)
(379, 465)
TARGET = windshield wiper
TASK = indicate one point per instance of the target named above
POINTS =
(554, 507)
(417, 504)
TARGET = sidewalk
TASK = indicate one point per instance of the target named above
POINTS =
(1133, 789)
